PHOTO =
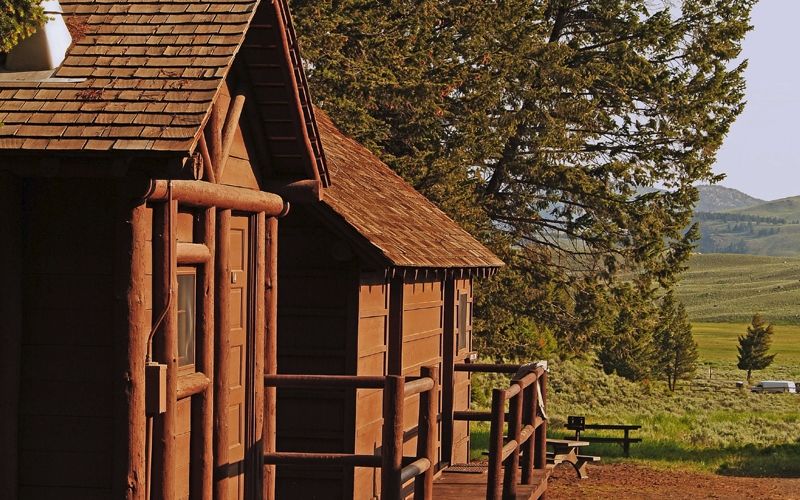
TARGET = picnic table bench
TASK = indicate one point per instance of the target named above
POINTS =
(566, 450)
(578, 424)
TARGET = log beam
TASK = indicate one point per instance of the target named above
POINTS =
(229, 133)
(205, 194)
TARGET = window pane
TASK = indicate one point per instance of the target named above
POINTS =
(187, 300)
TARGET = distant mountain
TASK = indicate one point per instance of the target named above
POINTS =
(721, 199)
(768, 228)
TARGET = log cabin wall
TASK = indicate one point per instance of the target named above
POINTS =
(317, 314)
(373, 351)
(65, 405)
(462, 346)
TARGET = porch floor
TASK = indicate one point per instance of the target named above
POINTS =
(468, 481)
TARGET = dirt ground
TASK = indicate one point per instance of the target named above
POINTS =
(627, 482)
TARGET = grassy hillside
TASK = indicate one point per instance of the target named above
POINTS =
(770, 228)
(731, 288)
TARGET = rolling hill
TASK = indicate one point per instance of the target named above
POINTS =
(730, 288)
(766, 228)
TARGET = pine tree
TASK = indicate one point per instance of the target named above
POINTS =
(18, 20)
(539, 125)
(676, 348)
(754, 345)
(629, 350)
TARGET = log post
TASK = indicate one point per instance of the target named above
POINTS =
(494, 484)
(11, 312)
(257, 454)
(540, 461)
(514, 430)
(271, 351)
(202, 464)
(165, 292)
(392, 442)
(426, 438)
(222, 350)
(529, 402)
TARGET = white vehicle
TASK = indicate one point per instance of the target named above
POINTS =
(775, 386)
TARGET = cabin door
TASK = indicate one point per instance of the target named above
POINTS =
(241, 359)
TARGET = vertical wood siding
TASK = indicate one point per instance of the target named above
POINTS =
(66, 387)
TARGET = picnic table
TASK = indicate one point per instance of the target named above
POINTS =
(578, 424)
(567, 450)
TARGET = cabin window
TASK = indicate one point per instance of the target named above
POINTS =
(463, 318)
(187, 314)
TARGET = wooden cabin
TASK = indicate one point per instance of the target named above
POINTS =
(375, 280)
(141, 185)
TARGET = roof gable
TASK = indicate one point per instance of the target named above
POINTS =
(145, 75)
(400, 224)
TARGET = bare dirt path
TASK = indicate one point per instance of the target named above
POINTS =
(627, 482)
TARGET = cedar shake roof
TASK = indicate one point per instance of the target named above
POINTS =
(145, 74)
(403, 226)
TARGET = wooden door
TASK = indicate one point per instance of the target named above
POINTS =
(240, 316)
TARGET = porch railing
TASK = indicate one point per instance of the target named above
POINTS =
(396, 469)
(525, 442)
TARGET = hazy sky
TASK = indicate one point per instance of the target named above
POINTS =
(761, 154)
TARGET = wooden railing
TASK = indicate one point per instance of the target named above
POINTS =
(526, 440)
(396, 469)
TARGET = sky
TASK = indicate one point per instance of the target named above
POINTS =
(761, 155)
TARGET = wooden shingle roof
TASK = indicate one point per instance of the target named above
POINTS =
(145, 73)
(403, 226)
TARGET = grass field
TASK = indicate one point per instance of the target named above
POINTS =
(730, 288)
(718, 341)
(707, 424)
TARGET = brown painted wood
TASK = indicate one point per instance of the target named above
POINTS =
(202, 464)
(270, 350)
(213, 133)
(208, 164)
(530, 401)
(392, 443)
(427, 438)
(540, 460)
(494, 482)
(193, 253)
(205, 194)
(222, 351)
(514, 434)
(228, 132)
(303, 191)
(165, 288)
(256, 453)
(395, 344)
(192, 384)
(130, 347)
(11, 312)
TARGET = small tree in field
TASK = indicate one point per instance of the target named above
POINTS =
(754, 345)
(675, 345)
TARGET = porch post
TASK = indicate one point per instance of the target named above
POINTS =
(222, 350)
(271, 351)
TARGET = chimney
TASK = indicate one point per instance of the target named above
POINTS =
(47, 47)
